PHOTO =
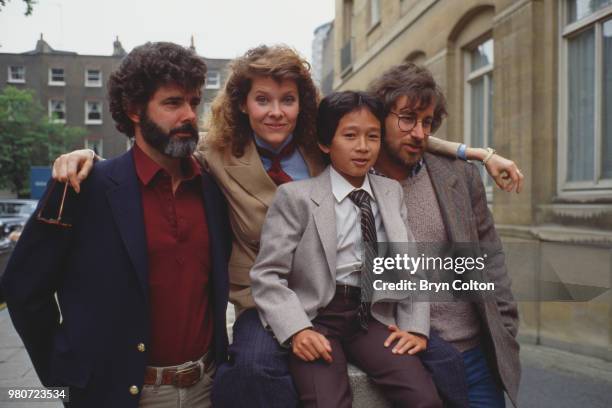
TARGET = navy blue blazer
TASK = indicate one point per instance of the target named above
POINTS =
(99, 269)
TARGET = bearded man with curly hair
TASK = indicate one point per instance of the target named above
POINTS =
(122, 299)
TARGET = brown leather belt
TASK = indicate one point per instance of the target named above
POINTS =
(182, 376)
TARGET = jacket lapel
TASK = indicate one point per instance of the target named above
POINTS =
(325, 217)
(126, 205)
(452, 202)
(389, 217)
(248, 171)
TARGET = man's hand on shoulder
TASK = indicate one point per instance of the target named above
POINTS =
(74, 167)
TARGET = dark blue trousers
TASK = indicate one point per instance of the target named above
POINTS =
(257, 374)
(483, 389)
(446, 365)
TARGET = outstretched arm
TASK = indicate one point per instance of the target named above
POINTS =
(504, 171)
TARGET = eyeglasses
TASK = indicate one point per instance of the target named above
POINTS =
(407, 122)
(49, 201)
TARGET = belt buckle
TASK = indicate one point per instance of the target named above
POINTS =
(185, 370)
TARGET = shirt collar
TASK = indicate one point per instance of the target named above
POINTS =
(341, 188)
(417, 167)
(147, 168)
(413, 171)
(262, 143)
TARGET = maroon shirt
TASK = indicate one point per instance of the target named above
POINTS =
(179, 262)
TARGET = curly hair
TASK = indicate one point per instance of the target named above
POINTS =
(415, 82)
(229, 126)
(143, 71)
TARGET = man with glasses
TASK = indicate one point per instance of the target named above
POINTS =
(119, 293)
(447, 205)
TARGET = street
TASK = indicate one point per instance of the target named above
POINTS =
(551, 378)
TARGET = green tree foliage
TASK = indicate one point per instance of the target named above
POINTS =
(29, 4)
(28, 138)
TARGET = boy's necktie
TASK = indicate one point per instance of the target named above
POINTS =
(368, 233)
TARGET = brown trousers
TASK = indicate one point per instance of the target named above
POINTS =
(402, 378)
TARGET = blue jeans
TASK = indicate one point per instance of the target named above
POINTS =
(483, 389)
(257, 374)
(445, 363)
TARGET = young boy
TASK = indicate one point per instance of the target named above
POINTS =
(311, 278)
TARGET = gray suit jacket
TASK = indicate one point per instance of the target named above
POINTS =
(462, 199)
(295, 272)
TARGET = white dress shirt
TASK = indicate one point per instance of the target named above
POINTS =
(349, 249)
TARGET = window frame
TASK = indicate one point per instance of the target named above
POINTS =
(598, 187)
(93, 84)
(57, 83)
(94, 121)
(100, 151)
(217, 85)
(468, 76)
(11, 80)
(371, 7)
(51, 111)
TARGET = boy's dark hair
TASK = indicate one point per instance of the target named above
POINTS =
(416, 83)
(143, 71)
(335, 105)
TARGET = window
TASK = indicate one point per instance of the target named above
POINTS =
(346, 52)
(213, 80)
(374, 12)
(585, 128)
(57, 110)
(16, 74)
(93, 78)
(56, 77)
(479, 99)
(96, 145)
(93, 113)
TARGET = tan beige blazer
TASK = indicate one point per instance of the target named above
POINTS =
(249, 192)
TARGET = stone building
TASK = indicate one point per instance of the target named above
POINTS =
(72, 88)
(533, 79)
(323, 57)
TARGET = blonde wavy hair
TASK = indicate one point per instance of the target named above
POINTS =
(229, 126)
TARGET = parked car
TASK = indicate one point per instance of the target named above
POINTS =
(6, 249)
(14, 213)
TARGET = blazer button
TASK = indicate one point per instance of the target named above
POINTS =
(141, 347)
(134, 390)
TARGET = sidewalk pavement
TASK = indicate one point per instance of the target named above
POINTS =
(551, 378)
(16, 369)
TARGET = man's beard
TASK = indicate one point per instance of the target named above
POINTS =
(167, 143)
(397, 157)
